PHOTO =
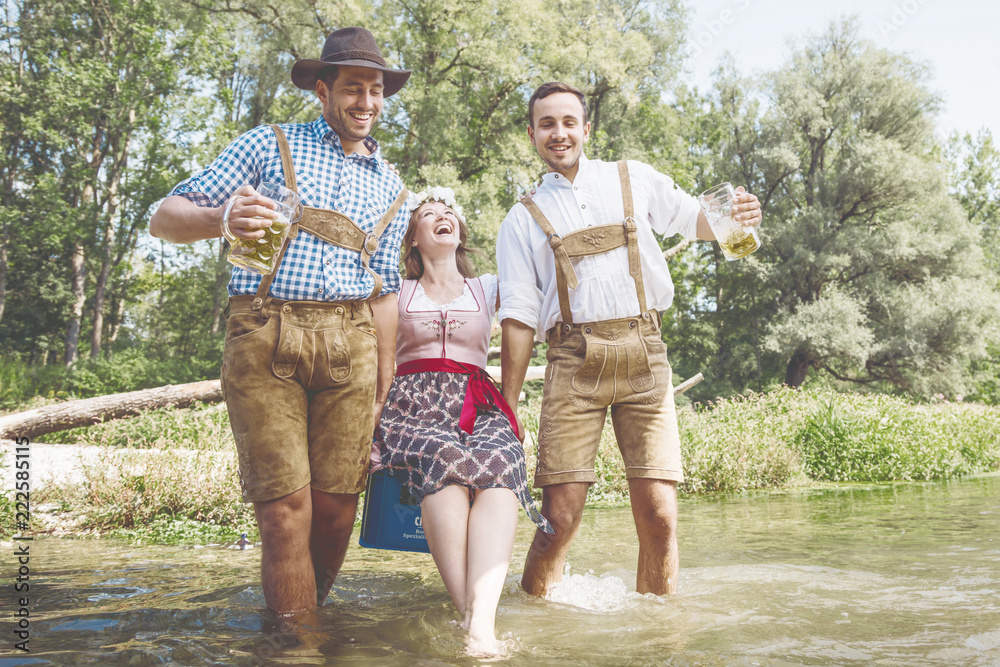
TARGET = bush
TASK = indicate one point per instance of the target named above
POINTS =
(131, 489)
(741, 443)
(851, 438)
(128, 370)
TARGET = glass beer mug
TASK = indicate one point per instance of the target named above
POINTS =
(260, 255)
(735, 240)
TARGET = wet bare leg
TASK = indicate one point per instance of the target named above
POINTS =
(492, 528)
(562, 505)
(445, 517)
(654, 508)
(332, 523)
(285, 564)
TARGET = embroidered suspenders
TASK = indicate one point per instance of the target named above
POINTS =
(330, 226)
(593, 241)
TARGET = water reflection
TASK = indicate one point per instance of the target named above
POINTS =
(900, 575)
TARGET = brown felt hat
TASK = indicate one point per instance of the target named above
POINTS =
(349, 46)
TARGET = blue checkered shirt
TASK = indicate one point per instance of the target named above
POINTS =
(359, 186)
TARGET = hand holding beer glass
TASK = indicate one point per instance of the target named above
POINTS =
(259, 253)
(736, 239)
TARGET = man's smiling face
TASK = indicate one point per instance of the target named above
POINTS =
(352, 103)
(558, 132)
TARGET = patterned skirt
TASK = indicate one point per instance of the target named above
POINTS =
(424, 448)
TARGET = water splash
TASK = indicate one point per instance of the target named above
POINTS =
(606, 593)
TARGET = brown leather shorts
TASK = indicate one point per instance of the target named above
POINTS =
(299, 382)
(621, 364)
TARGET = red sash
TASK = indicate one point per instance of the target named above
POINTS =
(481, 393)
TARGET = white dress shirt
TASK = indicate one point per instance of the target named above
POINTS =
(606, 291)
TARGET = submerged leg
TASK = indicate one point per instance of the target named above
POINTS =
(285, 562)
(332, 523)
(654, 508)
(492, 527)
(445, 517)
(562, 505)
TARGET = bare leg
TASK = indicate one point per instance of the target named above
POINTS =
(654, 507)
(445, 516)
(562, 505)
(332, 522)
(285, 563)
(492, 527)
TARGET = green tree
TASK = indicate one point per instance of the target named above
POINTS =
(95, 85)
(869, 271)
(975, 183)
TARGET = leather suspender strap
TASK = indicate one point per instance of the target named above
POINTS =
(370, 245)
(330, 226)
(565, 274)
(286, 159)
(593, 241)
(632, 235)
(289, 172)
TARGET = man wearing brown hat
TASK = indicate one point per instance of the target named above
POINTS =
(310, 349)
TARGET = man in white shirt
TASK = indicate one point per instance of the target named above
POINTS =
(580, 266)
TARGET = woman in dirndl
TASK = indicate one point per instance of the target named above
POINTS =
(446, 432)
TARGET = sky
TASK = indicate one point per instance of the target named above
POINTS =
(957, 38)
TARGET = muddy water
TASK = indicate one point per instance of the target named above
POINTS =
(893, 575)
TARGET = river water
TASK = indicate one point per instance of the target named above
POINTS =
(887, 575)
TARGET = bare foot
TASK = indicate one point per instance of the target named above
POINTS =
(482, 647)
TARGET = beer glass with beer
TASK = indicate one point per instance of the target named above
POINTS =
(735, 240)
(260, 255)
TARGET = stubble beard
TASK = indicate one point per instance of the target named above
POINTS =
(342, 125)
(564, 162)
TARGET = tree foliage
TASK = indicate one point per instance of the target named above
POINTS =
(869, 271)
(873, 271)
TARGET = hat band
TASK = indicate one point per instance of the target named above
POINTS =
(354, 55)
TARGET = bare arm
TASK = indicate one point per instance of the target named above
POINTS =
(705, 232)
(385, 313)
(180, 220)
(515, 352)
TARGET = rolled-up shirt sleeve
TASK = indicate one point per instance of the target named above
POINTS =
(520, 296)
(239, 164)
(671, 210)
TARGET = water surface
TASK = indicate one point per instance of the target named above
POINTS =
(887, 575)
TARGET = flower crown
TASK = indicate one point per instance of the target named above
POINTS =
(444, 195)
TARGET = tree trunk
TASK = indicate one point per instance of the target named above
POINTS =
(101, 288)
(221, 275)
(3, 269)
(88, 411)
(79, 266)
(119, 150)
(798, 365)
(115, 320)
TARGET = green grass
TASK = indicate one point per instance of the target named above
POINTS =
(190, 490)
(882, 438)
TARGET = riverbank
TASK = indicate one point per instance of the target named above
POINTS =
(170, 475)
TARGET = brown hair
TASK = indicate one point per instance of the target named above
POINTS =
(550, 88)
(413, 263)
(328, 75)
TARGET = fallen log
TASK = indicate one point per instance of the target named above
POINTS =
(89, 411)
(687, 384)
